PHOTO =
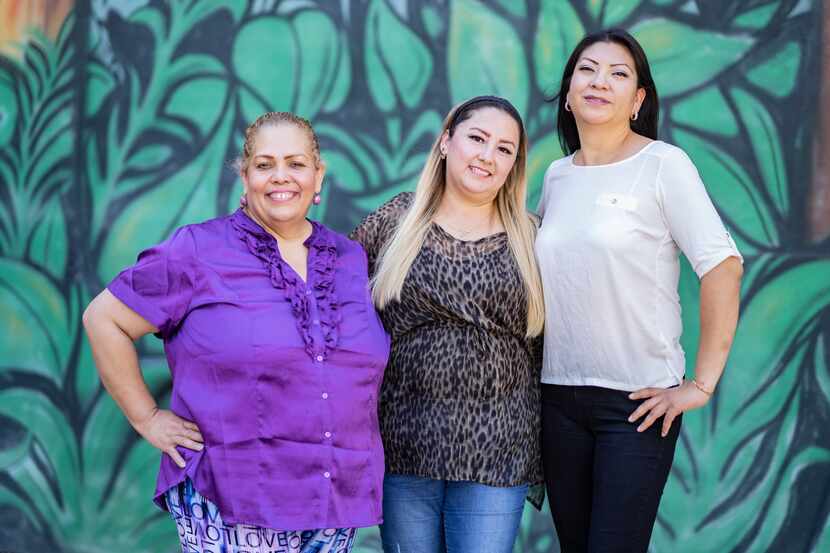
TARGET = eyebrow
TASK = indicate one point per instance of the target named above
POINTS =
(289, 156)
(482, 131)
(597, 63)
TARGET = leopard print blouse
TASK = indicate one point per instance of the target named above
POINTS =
(460, 396)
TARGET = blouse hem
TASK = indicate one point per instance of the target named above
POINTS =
(463, 478)
(290, 524)
(611, 384)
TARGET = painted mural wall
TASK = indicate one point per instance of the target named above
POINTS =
(118, 119)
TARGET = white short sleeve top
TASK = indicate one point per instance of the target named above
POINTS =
(608, 251)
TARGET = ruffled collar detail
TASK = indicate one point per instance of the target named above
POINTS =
(322, 259)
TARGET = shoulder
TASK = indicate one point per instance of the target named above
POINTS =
(342, 242)
(399, 203)
(391, 211)
(675, 165)
(347, 249)
(669, 154)
(206, 234)
(558, 165)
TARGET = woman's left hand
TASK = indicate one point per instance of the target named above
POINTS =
(666, 403)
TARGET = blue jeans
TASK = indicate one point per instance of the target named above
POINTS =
(422, 515)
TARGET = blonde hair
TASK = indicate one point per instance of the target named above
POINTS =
(274, 118)
(399, 252)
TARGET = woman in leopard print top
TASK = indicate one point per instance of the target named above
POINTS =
(459, 292)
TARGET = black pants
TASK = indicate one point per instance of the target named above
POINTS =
(604, 479)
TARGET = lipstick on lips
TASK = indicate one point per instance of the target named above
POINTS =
(595, 100)
(479, 172)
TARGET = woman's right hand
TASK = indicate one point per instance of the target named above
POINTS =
(166, 430)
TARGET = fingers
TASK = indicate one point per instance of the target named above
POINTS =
(645, 393)
(655, 413)
(167, 431)
(668, 418)
(644, 407)
(177, 458)
(189, 425)
(190, 444)
(194, 435)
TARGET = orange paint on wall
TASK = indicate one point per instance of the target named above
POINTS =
(19, 17)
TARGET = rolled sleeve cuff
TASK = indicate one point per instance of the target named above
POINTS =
(134, 301)
(716, 257)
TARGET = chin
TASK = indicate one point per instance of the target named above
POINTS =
(597, 118)
(481, 189)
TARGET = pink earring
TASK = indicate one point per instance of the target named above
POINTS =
(317, 199)
(567, 105)
(243, 200)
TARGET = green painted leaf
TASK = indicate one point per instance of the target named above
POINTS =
(477, 63)
(55, 440)
(8, 107)
(99, 85)
(38, 325)
(201, 101)
(320, 55)
(542, 153)
(766, 145)
(722, 487)
(778, 74)
(433, 21)
(17, 440)
(702, 54)
(732, 191)
(558, 31)
(777, 312)
(150, 156)
(757, 18)
(398, 63)
(353, 150)
(609, 13)
(266, 42)
(822, 366)
(49, 246)
(343, 79)
(343, 173)
(107, 430)
(780, 508)
(516, 8)
(189, 196)
(706, 110)
(823, 540)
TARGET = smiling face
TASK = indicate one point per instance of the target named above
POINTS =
(481, 152)
(282, 175)
(603, 86)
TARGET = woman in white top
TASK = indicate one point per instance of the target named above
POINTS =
(617, 212)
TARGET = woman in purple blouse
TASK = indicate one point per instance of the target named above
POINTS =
(276, 354)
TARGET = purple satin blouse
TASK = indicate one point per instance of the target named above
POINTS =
(281, 376)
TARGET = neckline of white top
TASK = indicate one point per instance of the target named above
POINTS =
(629, 158)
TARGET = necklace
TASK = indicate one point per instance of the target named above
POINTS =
(463, 233)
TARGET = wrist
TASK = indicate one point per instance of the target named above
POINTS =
(703, 387)
(138, 422)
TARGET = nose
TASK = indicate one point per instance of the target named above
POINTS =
(487, 152)
(280, 173)
(599, 80)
